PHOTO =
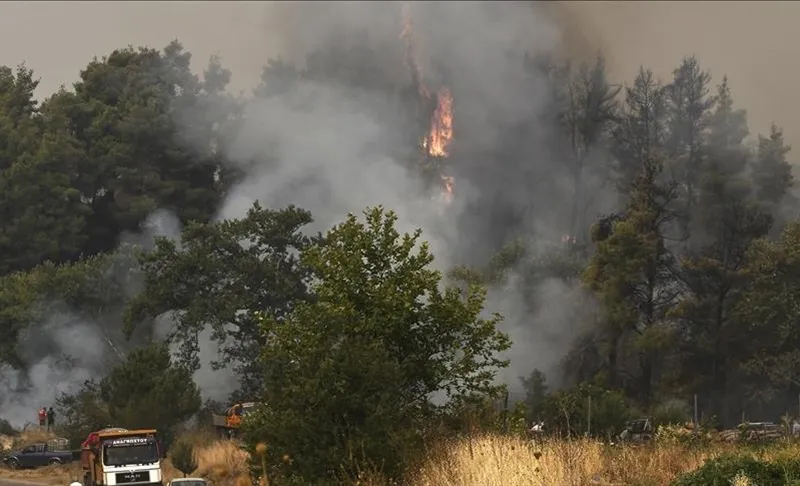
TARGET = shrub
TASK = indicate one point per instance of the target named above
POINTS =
(183, 457)
(672, 412)
(7, 429)
(566, 412)
(723, 470)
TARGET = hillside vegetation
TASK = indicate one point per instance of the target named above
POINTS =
(338, 244)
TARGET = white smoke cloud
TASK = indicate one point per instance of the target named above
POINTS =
(333, 151)
(65, 349)
(60, 355)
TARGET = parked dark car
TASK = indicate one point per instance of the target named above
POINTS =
(37, 455)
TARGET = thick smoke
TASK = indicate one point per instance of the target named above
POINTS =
(214, 384)
(66, 348)
(334, 149)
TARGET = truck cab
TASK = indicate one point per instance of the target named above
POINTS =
(122, 457)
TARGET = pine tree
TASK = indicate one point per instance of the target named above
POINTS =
(632, 275)
(772, 173)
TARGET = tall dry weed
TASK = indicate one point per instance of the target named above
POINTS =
(511, 461)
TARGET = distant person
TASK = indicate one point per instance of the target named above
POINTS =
(51, 418)
(796, 429)
(42, 417)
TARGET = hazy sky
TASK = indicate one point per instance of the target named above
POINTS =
(755, 43)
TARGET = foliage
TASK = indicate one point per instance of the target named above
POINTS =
(722, 470)
(82, 412)
(672, 412)
(212, 280)
(351, 375)
(536, 391)
(148, 390)
(183, 457)
(7, 429)
(586, 409)
(89, 288)
(686, 282)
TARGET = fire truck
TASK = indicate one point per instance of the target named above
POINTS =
(111, 457)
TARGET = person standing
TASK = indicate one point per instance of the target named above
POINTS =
(42, 417)
(51, 418)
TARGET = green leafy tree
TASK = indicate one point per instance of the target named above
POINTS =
(148, 390)
(82, 413)
(353, 375)
(128, 116)
(19, 128)
(43, 217)
(213, 279)
(93, 288)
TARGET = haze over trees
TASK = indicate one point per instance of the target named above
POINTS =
(354, 335)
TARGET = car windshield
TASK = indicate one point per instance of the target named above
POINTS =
(128, 455)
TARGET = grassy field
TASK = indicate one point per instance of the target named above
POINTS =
(486, 461)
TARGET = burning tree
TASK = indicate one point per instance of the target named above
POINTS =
(435, 144)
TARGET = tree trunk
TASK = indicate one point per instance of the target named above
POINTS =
(612, 360)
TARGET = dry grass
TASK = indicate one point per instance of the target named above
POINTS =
(53, 475)
(493, 460)
(33, 435)
(510, 461)
(486, 461)
(222, 462)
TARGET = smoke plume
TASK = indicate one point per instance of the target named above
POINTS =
(65, 348)
(335, 147)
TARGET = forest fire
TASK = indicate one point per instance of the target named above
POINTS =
(436, 142)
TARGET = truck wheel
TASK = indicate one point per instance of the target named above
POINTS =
(55, 461)
(13, 463)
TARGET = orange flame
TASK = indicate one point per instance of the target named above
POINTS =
(436, 143)
(438, 140)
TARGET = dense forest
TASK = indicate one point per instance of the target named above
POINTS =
(638, 242)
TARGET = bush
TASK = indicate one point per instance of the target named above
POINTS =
(7, 429)
(183, 458)
(722, 471)
(672, 412)
(566, 412)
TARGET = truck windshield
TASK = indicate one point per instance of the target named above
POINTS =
(129, 455)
